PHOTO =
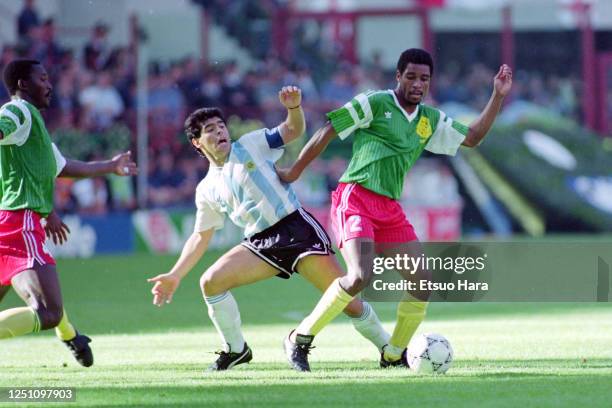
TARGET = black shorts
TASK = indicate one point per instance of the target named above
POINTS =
(283, 244)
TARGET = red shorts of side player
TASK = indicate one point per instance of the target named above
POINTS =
(357, 212)
(22, 239)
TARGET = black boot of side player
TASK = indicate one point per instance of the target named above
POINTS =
(402, 362)
(229, 359)
(79, 347)
(297, 353)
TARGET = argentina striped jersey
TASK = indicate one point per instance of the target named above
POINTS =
(247, 187)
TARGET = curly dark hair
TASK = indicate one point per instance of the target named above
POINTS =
(415, 56)
(16, 70)
(194, 122)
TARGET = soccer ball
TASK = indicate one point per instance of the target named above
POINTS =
(430, 353)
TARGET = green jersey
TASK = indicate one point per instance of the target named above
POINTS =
(388, 141)
(29, 162)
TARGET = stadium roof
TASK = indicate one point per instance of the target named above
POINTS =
(352, 5)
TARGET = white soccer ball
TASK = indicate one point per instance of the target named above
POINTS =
(430, 353)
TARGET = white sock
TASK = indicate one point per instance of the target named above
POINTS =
(224, 313)
(369, 327)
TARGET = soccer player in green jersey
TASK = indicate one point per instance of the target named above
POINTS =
(29, 164)
(390, 129)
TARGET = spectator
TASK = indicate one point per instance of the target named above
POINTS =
(50, 53)
(101, 103)
(65, 102)
(194, 169)
(96, 51)
(100, 88)
(91, 195)
(122, 66)
(307, 85)
(165, 182)
(211, 88)
(28, 18)
(64, 201)
(242, 98)
(338, 89)
(7, 55)
(166, 103)
(450, 89)
(364, 81)
(190, 82)
(86, 196)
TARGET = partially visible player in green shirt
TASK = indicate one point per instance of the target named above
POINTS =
(29, 164)
(390, 130)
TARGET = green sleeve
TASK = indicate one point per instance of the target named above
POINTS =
(7, 119)
(352, 115)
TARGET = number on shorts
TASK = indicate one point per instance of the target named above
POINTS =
(354, 223)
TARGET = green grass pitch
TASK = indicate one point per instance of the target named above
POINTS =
(506, 355)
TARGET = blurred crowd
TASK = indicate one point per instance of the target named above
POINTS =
(95, 92)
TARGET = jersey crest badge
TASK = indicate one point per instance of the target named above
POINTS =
(387, 115)
(423, 129)
(250, 166)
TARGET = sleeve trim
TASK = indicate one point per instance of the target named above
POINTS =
(351, 110)
(20, 135)
(10, 115)
(60, 160)
(274, 138)
(366, 107)
(343, 124)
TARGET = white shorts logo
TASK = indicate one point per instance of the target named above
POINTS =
(354, 223)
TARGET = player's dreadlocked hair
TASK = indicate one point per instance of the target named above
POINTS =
(415, 56)
(16, 70)
(194, 122)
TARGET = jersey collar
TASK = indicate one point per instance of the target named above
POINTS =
(17, 99)
(409, 117)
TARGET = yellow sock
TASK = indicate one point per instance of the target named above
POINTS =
(410, 314)
(333, 301)
(64, 330)
(18, 321)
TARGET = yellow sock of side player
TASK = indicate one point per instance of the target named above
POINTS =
(18, 321)
(410, 314)
(65, 330)
(331, 304)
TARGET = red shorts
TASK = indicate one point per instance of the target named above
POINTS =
(22, 242)
(357, 212)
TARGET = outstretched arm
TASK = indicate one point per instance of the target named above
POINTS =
(121, 165)
(479, 128)
(166, 284)
(295, 124)
(317, 143)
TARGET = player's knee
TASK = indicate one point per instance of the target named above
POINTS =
(355, 283)
(50, 317)
(209, 285)
(354, 308)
